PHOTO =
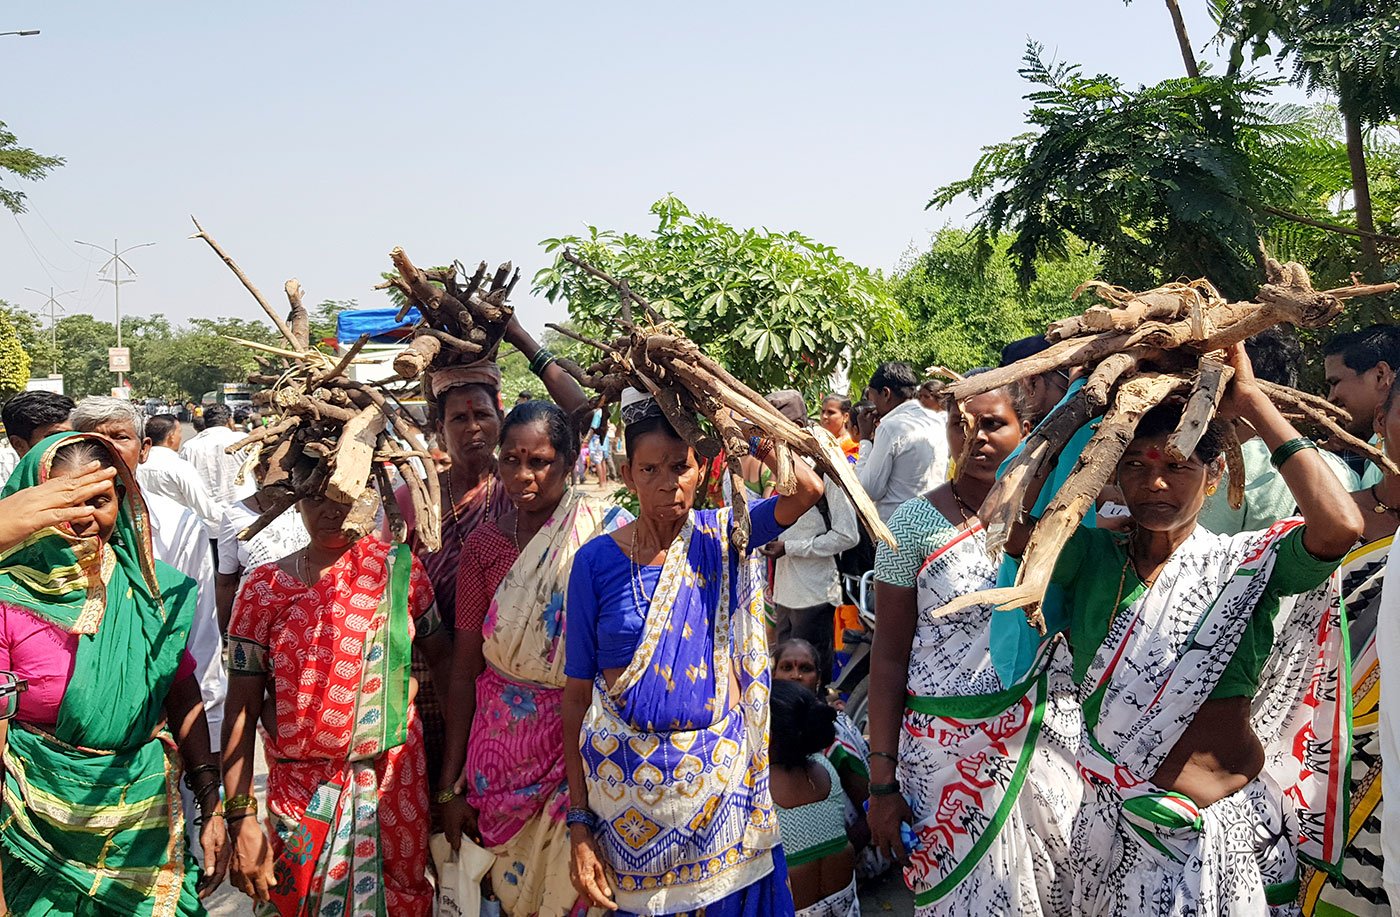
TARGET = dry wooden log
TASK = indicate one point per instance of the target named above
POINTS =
(1096, 465)
(1292, 397)
(298, 320)
(398, 529)
(262, 434)
(1354, 443)
(417, 356)
(1127, 312)
(1234, 469)
(1004, 503)
(1205, 396)
(364, 513)
(277, 320)
(354, 456)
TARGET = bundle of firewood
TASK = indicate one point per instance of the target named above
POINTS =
(333, 436)
(1137, 351)
(461, 322)
(706, 405)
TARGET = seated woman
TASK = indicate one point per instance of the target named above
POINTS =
(811, 807)
(328, 633)
(796, 660)
(1210, 740)
(666, 705)
(93, 822)
(503, 772)
(984, 765)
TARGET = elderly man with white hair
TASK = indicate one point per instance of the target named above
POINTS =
(180, 540)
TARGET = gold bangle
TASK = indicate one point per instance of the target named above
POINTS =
(241, 805)
(443, 797)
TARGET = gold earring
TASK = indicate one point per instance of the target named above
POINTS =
(1210, 491)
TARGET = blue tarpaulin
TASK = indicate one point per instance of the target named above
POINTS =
(379, 324)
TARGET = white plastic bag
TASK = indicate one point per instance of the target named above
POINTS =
(459, 876)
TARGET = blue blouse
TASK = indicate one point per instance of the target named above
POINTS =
(603, 621)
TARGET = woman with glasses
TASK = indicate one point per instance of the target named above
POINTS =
(92, 758)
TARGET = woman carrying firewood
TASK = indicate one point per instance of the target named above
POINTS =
(1210, 728)
(1357, 890)
(980, 770)
(327, 632)
(503, 771)
(666, 704)
(467, 419)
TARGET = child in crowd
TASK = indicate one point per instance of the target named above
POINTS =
(810, 804)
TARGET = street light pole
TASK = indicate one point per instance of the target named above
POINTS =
(54, 307)
(22, 32)
(116, 262)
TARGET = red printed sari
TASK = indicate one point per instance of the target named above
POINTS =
(347, 792)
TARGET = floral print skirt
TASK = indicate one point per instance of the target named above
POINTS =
(515, 779)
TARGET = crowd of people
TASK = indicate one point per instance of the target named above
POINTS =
(633, 711)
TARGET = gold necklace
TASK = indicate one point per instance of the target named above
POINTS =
(1380, 507)
(968, 512)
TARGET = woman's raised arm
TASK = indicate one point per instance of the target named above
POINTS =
(1333, 521)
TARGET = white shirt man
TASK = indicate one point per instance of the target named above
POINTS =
(909, 453)
(165, 473)
(180, 539)
(218, 469)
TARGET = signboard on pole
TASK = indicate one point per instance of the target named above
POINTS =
(53, 384)
(119, 359)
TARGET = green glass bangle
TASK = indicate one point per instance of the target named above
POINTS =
(540, 362)
(884, 789)
(1289, 449)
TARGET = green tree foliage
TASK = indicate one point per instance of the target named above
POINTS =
(14, 361)
(33, 337)
(1348, 48)
(1163, 180)
(24, 163)
(166, 361)
(82, 355)
(964, 309)
(777, 309)
(323, 318)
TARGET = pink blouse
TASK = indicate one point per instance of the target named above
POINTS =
(44, 654)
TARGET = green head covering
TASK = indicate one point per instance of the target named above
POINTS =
(64, 578)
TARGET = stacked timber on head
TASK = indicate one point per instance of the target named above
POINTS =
(333, 436)
(462, 323)
(706, 405)
(1139, 349)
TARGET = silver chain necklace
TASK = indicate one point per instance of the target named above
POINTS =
(639, 595)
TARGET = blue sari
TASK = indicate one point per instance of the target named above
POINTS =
(676, 761)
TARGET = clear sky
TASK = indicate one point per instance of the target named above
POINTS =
(310, 138)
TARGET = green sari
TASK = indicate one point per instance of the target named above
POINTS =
(92, 822)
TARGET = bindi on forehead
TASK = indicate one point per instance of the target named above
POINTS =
(1153, 454)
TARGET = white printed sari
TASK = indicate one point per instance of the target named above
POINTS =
(1139, 849)
(988, 771)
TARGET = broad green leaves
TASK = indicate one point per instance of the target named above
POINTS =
(777, 308)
